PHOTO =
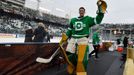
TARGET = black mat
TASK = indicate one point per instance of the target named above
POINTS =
(108, 64)
(115, 68)
(100, 67)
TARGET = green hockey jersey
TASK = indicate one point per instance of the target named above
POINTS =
(79, 27)
(95, 38)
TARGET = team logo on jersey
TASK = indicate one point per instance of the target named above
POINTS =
(79, 26)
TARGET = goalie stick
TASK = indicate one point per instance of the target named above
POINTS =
(44, 60)
(70, 65)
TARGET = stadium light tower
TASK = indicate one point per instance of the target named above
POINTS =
(130, 32)
(38, 4)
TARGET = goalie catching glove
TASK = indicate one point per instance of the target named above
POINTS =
(102, 6)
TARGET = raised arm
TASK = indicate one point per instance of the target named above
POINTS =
(100, 12)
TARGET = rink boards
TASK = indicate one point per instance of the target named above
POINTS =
(19, 58)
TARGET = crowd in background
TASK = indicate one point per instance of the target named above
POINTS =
(9, 24)
(18, 19)
(32, 14)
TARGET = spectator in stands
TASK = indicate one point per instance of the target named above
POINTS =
(39, 33)
(28, 34)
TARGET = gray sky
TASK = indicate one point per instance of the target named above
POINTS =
(119, 11)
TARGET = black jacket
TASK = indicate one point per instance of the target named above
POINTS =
(125, 41)
(39, 34)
